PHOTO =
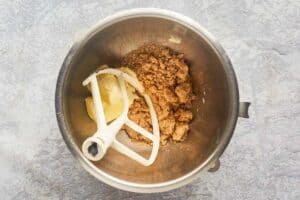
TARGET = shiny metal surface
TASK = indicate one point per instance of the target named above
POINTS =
(215, 109)
(243, 109)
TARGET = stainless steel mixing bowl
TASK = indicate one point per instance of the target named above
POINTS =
(216, 108)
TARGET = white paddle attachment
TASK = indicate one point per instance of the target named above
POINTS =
(95, 147)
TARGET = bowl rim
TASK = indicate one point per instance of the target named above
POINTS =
(232, 116)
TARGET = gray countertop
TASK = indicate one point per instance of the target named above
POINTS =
(261, 37)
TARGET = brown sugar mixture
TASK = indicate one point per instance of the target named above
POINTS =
(166, 79)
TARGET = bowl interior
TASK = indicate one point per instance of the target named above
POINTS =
(107, 46)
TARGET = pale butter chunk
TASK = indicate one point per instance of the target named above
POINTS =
(111, 96)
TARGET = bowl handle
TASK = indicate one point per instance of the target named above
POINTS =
(243, 112)
(243, 109)
(215, 166)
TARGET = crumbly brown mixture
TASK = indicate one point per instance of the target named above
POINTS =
(166, 79)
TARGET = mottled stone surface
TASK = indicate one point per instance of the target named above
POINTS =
(261, 37)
